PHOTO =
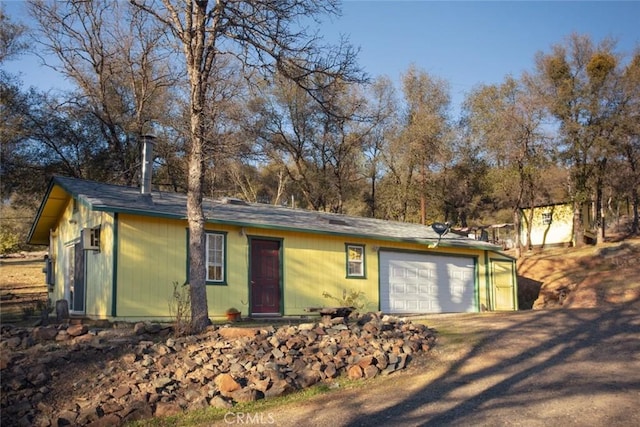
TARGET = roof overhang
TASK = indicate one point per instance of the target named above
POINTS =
(49, 213)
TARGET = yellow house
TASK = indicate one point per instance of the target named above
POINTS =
(116, 252)
(552, 225)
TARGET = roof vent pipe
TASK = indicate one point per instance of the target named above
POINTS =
(147, 163)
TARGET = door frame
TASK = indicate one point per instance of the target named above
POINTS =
(74, 250)
(280, 242)
(493, 263)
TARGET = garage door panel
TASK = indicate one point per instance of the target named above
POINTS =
(421, 283)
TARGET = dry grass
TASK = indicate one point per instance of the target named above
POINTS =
(23, 291)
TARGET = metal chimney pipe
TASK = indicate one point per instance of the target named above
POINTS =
(147, 163)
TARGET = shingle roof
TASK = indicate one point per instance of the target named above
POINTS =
(116, 198)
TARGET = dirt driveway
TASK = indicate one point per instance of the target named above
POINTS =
(578, 367)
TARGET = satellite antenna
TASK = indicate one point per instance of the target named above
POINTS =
(441, 229)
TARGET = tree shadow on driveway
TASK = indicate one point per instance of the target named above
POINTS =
(572, 367)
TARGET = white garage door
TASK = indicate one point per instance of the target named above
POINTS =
(420, 283)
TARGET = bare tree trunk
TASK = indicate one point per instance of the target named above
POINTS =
(258, 28)
(529, 227)
(636, 200)
(517, 223)
(196, 220)
(423, 197)
(578, 225)
(600, 216)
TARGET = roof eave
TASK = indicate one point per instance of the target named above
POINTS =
(38, 216)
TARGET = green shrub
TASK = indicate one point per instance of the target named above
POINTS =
(351, 298)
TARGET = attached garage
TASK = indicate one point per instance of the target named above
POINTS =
(412, 282)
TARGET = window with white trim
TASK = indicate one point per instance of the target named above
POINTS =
(355, 260)
(215, 257)
(547, 218)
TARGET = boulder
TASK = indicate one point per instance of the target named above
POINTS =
(166, 409)
(44, 333)
(77, 330)
(354, 372)
(226, 384)
(234, 333)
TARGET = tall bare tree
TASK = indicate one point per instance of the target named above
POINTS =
(508, 121)
(319, 146)
(417, 150)
(578, 80)
(627, 138)
(381, 111)
(264, 36)
(12, 41)
(120, 64)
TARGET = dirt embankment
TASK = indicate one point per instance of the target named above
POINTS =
(592, 276)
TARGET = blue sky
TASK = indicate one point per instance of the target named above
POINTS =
(470, 43)
(465, 43)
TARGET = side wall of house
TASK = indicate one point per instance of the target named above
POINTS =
(98, 277)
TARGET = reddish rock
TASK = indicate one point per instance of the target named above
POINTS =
(365, 361)
(354, 372)
(261, 385)
(226, 384)
(163, 376)
(166, 409)
(233, 333)
(330, 371)
(83, 339)
(77, 330)
(121, 391)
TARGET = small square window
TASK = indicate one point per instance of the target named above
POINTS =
(355, 261)
(546, 218)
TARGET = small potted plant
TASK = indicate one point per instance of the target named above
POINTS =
(233, 314)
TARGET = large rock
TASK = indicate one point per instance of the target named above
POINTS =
(354, 372)
(44, 333)
(165, 409)
(233, 333)
(227, 384)
(76, 330)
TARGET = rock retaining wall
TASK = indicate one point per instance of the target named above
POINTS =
(76, 375)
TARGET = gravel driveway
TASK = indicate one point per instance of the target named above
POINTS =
(577, 367)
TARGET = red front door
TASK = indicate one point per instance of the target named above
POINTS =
(265, 276)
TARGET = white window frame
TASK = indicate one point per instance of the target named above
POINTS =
(215, 244)
(352, 264)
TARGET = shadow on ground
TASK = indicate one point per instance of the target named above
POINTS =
(578, 367)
